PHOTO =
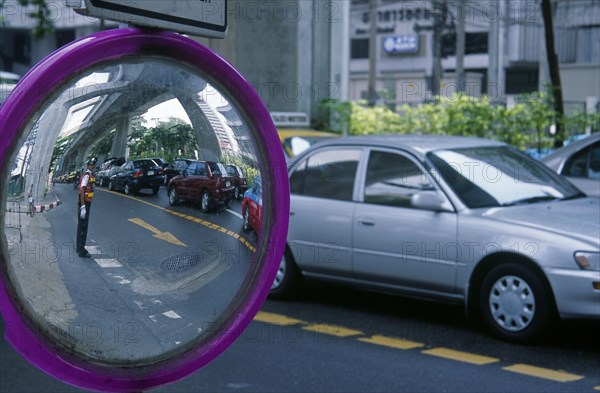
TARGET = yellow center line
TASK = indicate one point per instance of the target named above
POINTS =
(397, 343)
(461, 356)
(545, 373)
(332, 330)
(597, 387)
(208, 224)
(276, 319)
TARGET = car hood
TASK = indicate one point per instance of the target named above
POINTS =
(577, 218)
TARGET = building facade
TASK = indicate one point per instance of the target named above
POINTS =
(504, 48)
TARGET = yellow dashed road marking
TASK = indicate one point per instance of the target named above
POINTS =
(545, 373)
(208, 224)
(398, 343)
(276, 319)
(597, 387)
(332, 330)
(461, 356)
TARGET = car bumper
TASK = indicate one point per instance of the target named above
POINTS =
(223, 196)
(575, 292)
(148, 183)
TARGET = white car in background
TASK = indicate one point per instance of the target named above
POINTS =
(580, 163)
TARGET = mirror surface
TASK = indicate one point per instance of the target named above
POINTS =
(172, 235)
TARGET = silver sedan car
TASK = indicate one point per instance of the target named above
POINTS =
(580, 163)
(462, 220)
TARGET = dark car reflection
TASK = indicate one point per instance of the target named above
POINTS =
(205, 183)
(137, 175)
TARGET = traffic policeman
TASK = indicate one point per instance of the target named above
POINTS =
(84, 202)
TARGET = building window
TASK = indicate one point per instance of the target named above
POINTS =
(22, 47)
(63, 37)
(359, 48)
(475, 44)
(520, 81)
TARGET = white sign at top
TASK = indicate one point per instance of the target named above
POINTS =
(206, 18)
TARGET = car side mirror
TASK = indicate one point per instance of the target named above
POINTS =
(430, 200)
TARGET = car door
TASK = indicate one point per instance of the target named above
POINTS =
(583, 169)
(395, 243)
(121, 174)
(322, 207)
(198, 181)
(185, 185)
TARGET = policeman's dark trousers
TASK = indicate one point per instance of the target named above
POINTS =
(82, 227)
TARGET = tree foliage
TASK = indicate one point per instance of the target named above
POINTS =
(169, 140)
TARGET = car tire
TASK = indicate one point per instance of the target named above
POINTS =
(155, 190)
(128, 189)
(236, 193)
(246, 221)
(205, 202)
(287, 279)
(111, 187)
(515, 304)
(173, 200)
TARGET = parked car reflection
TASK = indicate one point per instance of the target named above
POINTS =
(252, 206)
(239, 180)
(203, 182)
(136, 175)
(463, 220)
(580, 163)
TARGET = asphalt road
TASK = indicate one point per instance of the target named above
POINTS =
(328, 338)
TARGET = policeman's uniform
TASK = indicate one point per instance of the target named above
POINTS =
(86, 186)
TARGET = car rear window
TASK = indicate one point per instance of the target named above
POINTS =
(144, 164)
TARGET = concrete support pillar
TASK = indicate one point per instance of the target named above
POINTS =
(205, 135)
(36, 175)
(119, 144)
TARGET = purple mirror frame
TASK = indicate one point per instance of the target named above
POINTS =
(28, 97)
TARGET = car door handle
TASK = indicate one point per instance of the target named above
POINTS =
(366, 221)
(292, 212)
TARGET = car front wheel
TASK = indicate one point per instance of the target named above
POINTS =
(515, 305)
(111, 187)
(205, 202)
(237, 193)
(246, 225)
(287, 279)
(173, 200)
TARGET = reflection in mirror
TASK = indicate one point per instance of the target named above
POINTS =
(172, 233)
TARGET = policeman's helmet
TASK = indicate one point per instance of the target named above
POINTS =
(91, 161)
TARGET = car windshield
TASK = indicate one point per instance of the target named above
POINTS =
(217, 168)
(233, 170)
(498, 176)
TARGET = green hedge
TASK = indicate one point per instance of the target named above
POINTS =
(525, 125)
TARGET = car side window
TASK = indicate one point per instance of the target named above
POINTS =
(392, 179)
(594, 167)
(328, 174)
(201, 170)
(576, 166)
(191, 169)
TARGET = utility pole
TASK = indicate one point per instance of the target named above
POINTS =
(372, 92)
(493, 80)
(460, 48)
(554, 70)
(441, 13)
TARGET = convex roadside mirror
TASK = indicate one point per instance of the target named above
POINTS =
(172, 279)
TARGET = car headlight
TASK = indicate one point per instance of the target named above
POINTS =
(588, 260)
